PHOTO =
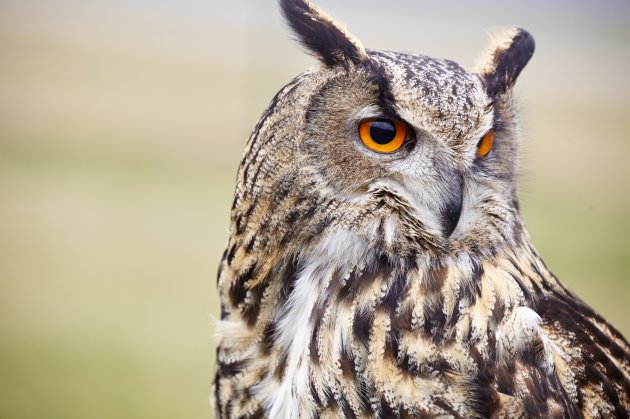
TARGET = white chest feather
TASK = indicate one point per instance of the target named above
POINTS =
(339, 249)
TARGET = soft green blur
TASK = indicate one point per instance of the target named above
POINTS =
(121, 128)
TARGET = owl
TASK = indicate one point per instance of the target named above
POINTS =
(377, 263)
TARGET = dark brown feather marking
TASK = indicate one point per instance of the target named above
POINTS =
(508, 63)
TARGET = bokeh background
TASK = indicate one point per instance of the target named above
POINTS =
(121, 127)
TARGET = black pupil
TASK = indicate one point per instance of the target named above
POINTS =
(382, 131)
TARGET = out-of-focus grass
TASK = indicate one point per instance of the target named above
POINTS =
(107, 290)
(117, 163)
(108, 269)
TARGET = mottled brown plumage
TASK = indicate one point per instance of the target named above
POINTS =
(358, 283)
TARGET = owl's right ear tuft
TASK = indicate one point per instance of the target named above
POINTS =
(321, 35)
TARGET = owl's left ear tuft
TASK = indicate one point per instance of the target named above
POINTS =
(321, 35)
(508, 55)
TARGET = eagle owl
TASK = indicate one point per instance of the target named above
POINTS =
(378, 264)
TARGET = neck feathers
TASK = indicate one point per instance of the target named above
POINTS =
(348, 312)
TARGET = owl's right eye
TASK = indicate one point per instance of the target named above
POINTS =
(383, 135)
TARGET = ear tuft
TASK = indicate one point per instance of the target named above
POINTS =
(321, 35)
(505, 59)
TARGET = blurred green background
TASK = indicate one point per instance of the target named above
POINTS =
(121, 127)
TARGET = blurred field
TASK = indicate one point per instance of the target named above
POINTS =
(121, 127)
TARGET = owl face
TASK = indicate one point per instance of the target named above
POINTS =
(437, 138)
(442, 114)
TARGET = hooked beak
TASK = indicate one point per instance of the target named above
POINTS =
(453, 210)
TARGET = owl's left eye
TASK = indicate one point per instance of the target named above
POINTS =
(382, 134)
(485, 144)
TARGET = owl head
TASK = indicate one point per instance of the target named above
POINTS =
(380, 138)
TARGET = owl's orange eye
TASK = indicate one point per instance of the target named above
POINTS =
(485, 144)
(382, 135)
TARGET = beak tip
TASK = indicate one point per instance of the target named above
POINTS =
(451, 218)
(453, 210)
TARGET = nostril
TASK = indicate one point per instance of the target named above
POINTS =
(453, 209)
